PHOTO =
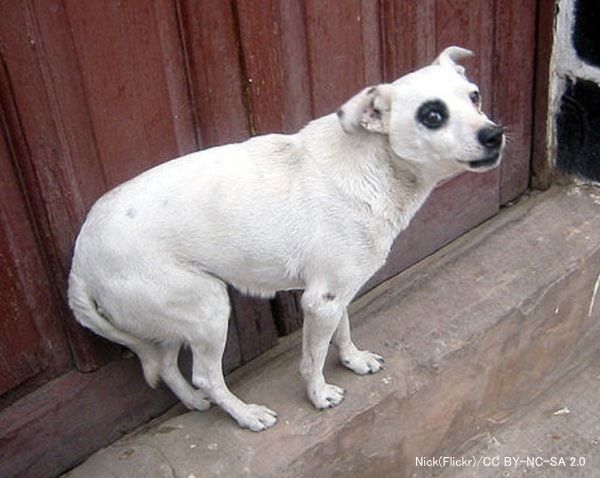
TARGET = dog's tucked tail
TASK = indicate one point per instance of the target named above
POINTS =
(87, 314)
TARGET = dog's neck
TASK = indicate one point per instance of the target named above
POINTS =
(367, 170)
(409, 184)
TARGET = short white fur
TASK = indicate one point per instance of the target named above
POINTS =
(317, 210)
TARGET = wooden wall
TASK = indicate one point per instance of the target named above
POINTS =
(94, 92)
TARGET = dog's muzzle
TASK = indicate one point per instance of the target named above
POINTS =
(492, 140)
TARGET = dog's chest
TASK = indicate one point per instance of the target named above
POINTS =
(361, 235)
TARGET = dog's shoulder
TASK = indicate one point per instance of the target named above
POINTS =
(274, 150)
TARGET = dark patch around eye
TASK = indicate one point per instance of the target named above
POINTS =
(433, 114)
(375, 113)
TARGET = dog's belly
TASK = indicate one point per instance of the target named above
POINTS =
(264, 286)
(258, 276)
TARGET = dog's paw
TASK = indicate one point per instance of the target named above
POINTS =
(363, 362)
(255, 417)
(326, 396)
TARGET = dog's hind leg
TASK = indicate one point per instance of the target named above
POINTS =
(89, 315)
(158, 360)
(171, 375)
(207, 342)
(359, 361)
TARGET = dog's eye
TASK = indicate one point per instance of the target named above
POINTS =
(432, 114)
(433, 118)
(475, 98)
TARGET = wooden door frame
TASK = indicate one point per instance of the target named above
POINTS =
(541, 166)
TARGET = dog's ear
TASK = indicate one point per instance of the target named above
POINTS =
(451, 56)
(369, 109)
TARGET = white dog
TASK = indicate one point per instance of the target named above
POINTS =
(317, 210)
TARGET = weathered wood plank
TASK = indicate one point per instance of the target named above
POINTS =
(337, 71)
(541, 155)
(260, 37)
(32, 339)
(59, 425)
(46, 132)
(273, 42)
(287, 312)
(294, 65)
(370, 20)
(135, 84)
(513, 90)
(212, 52)
(255, 326)
(408, 40)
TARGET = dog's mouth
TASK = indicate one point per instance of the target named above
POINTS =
(483, 163)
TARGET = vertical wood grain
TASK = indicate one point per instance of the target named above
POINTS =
(260, 38)
(295, 65)
(212, 46)
(513, 90)
(541, 157)
(273, 41)
(370, 15)
(335, 51)
(32, 337)
(409, 35)
(50, 135)
(134, 92)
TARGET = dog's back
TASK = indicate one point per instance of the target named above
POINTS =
(185, 214)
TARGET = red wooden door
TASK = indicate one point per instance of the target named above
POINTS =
(92, 93)
(33, 344)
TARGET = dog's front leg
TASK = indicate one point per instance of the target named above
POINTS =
(359, 361)
(322, 314)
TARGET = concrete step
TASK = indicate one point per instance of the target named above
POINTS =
(471, 335)
(557, 436)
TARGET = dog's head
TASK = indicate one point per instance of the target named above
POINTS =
(432, 115)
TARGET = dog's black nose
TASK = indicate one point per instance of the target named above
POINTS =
(490, 137)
